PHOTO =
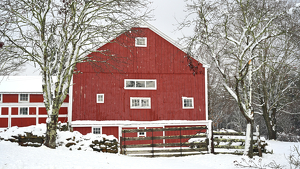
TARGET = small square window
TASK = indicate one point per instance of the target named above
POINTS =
(141, 42)
(96, 130)
(187, 102)
(23, 110)
(141, 134)
(23, 98)
(100, 98)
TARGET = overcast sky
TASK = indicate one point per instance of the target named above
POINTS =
(165, 14)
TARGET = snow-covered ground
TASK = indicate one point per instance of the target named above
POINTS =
(17, 157)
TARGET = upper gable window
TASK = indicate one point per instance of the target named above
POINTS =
(23, 98)
(187, 102)
(141, 42)
(140, 84)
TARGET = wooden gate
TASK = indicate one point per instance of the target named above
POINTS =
(179, 146)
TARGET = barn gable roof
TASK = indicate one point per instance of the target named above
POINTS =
(144, 24)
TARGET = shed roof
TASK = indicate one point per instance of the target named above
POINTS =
(21, 84)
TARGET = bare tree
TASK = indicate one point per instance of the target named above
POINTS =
(275, 81)
(57, 34)
(9, 63)
(230, 31)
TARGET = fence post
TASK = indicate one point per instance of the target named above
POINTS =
(180, 143)
(210, 136)
(152, 144)
(123, 135)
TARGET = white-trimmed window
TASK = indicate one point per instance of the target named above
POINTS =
(141, 134)
(140, 102)
(23, 111)
(23, 97)
(187, 102)
(141, 42)
(136, 84)
(100, 98)
(97, 130)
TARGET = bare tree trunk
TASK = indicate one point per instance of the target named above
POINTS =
(270, 121)
(51, 132)
(249, 139)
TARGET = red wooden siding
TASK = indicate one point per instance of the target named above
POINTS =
(111, 131)
(23, 122)
(10, 98)
(63, 110)
(3, 122)
(4, 111)
(35, 98)
(42, 111)
(32, 110)
(160, 60)
(83, 130)
(61, 119)
(15, 111)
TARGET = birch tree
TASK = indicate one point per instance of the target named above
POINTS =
(57, 34)
(230, 31)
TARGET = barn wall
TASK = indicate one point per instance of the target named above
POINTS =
(10, 111)
(160, 60)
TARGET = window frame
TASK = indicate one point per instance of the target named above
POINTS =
(24, 101)
(140, 88)
(136, 40)
(95, 127)
(142, 135)
(183, 98)
(1, 98)
(140, 98)
(99, 101)
(25, 108)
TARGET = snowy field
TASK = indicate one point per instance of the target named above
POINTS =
(13, 156)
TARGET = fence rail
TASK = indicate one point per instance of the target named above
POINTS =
(206, 142)
(179, 148)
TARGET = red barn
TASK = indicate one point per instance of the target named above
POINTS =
(152, 83)
(22, 102)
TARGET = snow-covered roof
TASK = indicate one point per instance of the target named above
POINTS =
(21, 84)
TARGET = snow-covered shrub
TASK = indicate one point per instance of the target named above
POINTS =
(294, 158)
(255, 163)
